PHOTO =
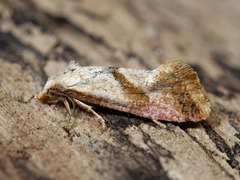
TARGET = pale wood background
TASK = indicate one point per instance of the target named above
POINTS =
(40, 37)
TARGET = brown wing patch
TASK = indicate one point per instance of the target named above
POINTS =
(180, 84)
(130, 91)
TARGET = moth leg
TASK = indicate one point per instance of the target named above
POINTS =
(90, 110)
(73, 104)
(70, 121)
(159, 123)
(66, 105)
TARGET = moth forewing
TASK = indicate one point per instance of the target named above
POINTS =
(171, 92)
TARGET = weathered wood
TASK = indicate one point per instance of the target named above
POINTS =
(38, 38)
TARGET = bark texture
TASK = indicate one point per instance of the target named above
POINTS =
(40, 37)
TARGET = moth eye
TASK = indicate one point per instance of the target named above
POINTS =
(52, 95)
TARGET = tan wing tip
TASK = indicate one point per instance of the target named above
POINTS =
(198, 104)
(206, 109)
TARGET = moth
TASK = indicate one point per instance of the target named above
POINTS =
(172, 92)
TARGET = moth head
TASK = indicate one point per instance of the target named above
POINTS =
(47, 96)
(52, 95)
(49, 92)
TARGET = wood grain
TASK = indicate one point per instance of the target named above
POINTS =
(38, 38)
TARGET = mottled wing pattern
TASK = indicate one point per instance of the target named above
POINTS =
(171, 92)
(176, 84)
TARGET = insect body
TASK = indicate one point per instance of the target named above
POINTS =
(171, 92)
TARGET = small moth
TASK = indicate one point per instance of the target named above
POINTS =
(172, 92)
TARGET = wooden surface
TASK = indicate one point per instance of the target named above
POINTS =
(40, 37)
